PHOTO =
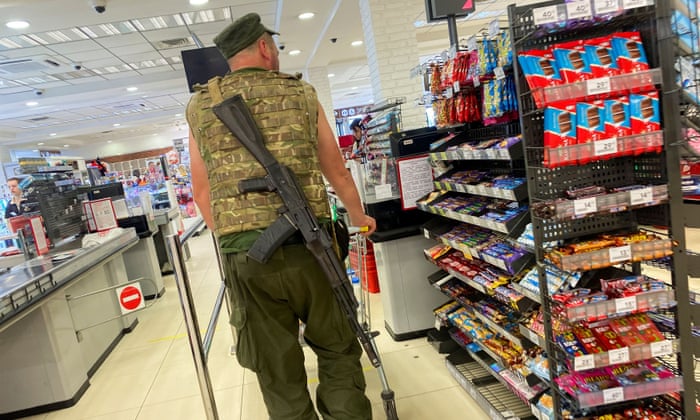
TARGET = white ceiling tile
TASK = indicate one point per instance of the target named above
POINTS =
(166, 34)
(94, 64)
(75, 46)
(120, 75)
(85, 56)
(86, 80)
(121, 40)
(132, 49)
(161, 69)
(26, 52)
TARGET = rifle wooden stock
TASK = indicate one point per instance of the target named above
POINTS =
(297, 215)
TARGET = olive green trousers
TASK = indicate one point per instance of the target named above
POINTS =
(267, 303)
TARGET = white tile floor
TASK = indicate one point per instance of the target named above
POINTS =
(150, 374)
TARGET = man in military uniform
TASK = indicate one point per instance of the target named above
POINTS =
(269, 300)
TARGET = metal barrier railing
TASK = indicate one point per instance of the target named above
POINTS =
(199, 347)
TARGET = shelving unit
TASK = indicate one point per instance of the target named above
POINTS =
(620, 161)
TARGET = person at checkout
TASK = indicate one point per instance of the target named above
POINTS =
(14, 207)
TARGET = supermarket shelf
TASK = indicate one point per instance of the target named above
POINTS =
(495, 327)
(614, 147)
(533, 336)
(625, 354)
(494, 398)
(640, 251)
(535, 297)
(514, 152)
(594, 88)
(606, 203)
(514, 267)
(514, 225)
(518, 193)
(629, 392)
(642, 302)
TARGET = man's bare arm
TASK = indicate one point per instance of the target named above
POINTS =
(200, 184)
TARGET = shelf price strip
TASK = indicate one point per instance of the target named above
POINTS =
(613, 395)
(620, 254)
(641, 196)
(578, 9)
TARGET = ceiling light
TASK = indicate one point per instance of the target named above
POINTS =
(295, 52)
(306, 16)
(40, 144)
(356, 43)
(17, 24)
(109, 141)
(178, 115)
(331, 74)
(32, 103)
(198, 2)
(35, 150)
(66, 145)
(132, 89)
(52, 134)
(116, 125)
(354, 88)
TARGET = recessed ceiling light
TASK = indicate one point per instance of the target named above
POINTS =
(295, 52)
(178, 115)
(331, 74)
(109, 141)
(17, 24)
(40, 144)
(132, 89)
(116, 125)
(306, 16)
(35, 150)
(356, 43)
(52, 134)
(198, 2)
(66, 145)
(354, 88)
(32, 103)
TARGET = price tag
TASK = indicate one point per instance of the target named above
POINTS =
(626, 304)
(426, 233)
(584, 362)
(578, 9)
(620, 254)
(456, 87)
(438, 323)
(503, 154)
(471, 43)
(605, 147)
(598, 86)
(585, 206)
(606, 6)
(383, 191)
(613, 395)
(481, 189)
(633, 4)
(641, 196)
(448, 92)
(533, 336)
(499, 73)
(618, 356)
(661, 348)
(545, 15)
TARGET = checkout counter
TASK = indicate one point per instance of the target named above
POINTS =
(59, 319)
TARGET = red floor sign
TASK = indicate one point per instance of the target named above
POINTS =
(130, 298)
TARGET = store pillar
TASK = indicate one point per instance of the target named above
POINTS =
(318, 77)
(392, 51)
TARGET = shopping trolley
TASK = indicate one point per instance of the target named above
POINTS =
(358, 244)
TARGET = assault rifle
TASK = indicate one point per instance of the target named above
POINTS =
(296, 215)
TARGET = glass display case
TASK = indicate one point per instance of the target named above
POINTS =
(157, 191)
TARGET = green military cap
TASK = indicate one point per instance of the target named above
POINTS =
(240, 34)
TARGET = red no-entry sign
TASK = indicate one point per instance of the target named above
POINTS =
(130, 298)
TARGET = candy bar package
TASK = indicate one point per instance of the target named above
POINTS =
(595, 380)
(607, 337)
(629, 51)
(633, 373)
(617, 117)
(560, 131)
(601, 57)
(645, 116)
(588, 340)
(645, 328)
(572, 61)
(590, 126)
(626, 331)
(568, 341)
(540, 70)
(686, 30)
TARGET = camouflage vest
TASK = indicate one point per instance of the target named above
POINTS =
(286, 111)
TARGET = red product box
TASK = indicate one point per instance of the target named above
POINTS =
(572, 61)
(617, 118)
(646, 328)
(626, 331)
(588, 340)
(607, 337)
(560, 132)
(601, 57)
(590, 126)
